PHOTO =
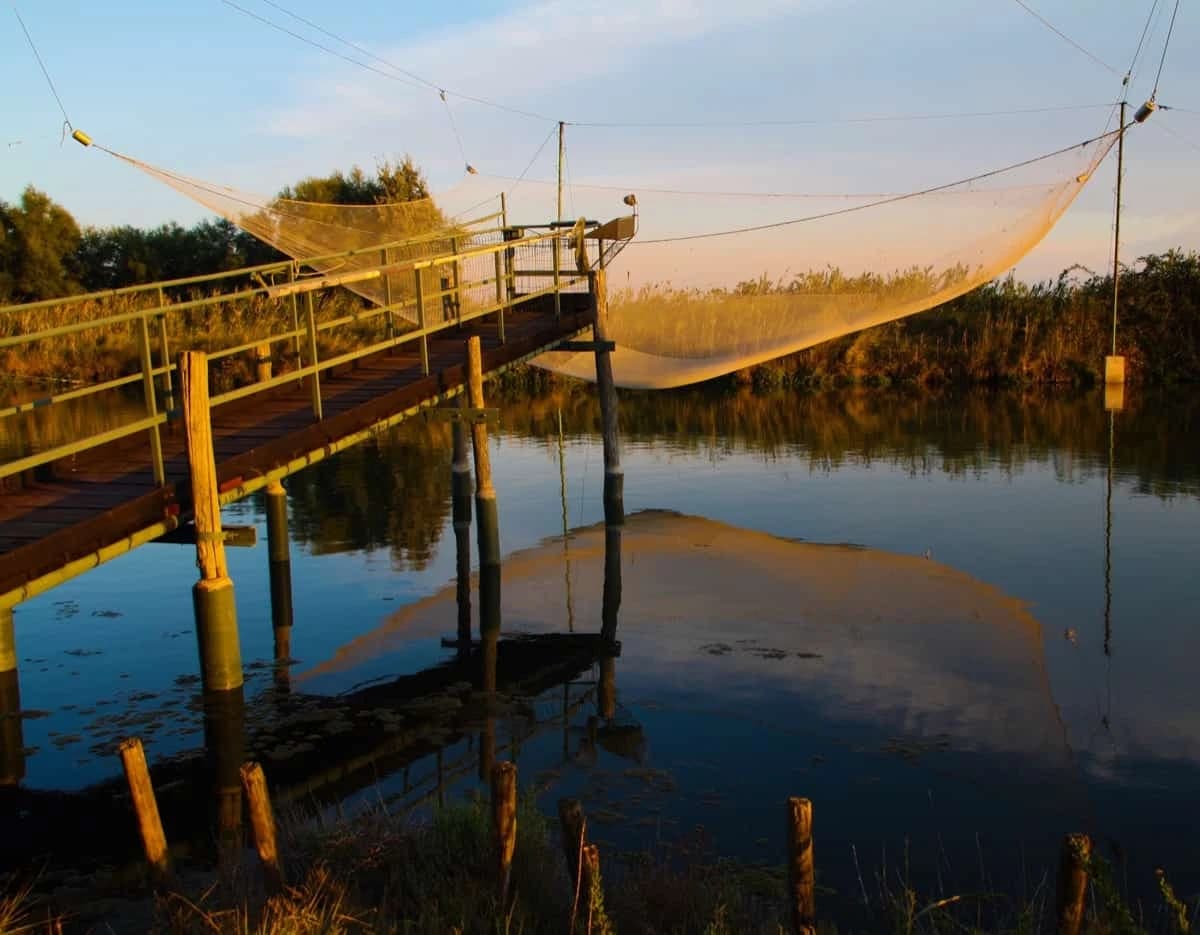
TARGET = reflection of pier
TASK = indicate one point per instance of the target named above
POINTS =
(363, 735)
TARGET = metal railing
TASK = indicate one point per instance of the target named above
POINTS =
(423, 285)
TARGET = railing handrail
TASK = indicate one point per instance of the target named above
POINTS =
(276, 266)
(304, 329)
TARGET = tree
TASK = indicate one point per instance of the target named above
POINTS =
(37, 249)
(393, 182)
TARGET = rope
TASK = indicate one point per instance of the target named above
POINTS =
(454, 126)
(1138, 51)
(411, 79)
(524, 172)
(874, 204)
(840, 120)
(1162, 61)
(1062, 35)
(45, 73)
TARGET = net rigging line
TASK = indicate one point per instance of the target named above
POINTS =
(1162, 61)
(1062, 35)
(45, 73)
(404, 77)
(872, 204)
(413, 79)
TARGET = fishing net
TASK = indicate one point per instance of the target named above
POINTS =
(714, 282)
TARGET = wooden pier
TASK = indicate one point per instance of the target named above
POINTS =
(70, 508)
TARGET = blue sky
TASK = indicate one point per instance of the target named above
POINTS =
(200, 88)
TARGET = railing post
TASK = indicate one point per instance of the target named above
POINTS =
(156, 453)
(457, 268)
(295, 318)
(500, 295)
(387, 297)
(421, 323)
(315, 378)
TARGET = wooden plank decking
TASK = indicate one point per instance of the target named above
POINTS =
(106, 495)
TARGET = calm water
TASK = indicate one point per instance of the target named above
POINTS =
(926, 614)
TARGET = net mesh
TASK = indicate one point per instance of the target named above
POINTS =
(714, 283)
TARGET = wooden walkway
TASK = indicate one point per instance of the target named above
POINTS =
(92, 506)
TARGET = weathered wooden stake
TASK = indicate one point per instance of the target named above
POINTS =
(263, 370)
(570, 821)
(614, 477)
(801, 870)
(1072, 882)
(279, 569)
(154, 841)
(262, 821)
(504, 821)
(215, 609)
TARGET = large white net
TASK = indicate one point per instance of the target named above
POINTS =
(714, 283)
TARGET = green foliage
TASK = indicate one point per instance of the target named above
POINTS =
(392, 183)
(1178, 909)
(38, 240)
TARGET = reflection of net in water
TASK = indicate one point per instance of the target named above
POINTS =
(714, 283)
(899, 641)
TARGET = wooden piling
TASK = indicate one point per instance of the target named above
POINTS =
(610, 604)
(571, 824)
(460, 479)
(614, 477)
(8, 641)
(154, 841)
(801, 870)
(1072, 882)
(213, 597)
(262, 822)
(12, 733)
(504, 822)
(225, 752)
(279, 571)
(479, 432)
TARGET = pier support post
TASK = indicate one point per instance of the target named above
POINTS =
(279, 566)
(12, 737)
(213, 599)
(488, 531)
(614, 477)
(225, 749)
(461, 498)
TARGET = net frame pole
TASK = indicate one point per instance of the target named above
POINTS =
(1117, 228)
(559, 217)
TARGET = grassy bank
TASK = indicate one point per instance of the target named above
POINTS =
(1004, 333)
(380, 873)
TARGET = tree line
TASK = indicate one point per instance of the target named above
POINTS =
(45, 254)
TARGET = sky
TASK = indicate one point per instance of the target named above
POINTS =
(202, 88)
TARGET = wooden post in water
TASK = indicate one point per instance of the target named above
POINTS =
(12, 735)
(213, 599)
(504, 822)
(801, 870)
(460, 486)
(141, 791)
(225, 752)
(614, 477)
(279, 569)
(1073, 882)
(262, 821)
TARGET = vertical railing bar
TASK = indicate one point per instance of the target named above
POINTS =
(387, 297)
(156, 453)
(421, 323)
(164, 352)
(295, 318)
(315, 385)
(499, 295)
